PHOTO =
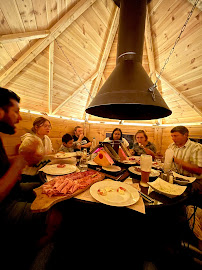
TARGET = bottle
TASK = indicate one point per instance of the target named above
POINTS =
(83, 165)
(170, 177)
(93, 143)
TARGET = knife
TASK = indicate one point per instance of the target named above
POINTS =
(147, 198)
(181, 179)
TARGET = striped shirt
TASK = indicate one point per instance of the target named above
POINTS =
(190, 152)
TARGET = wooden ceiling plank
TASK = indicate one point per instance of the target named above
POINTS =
(50, 81)
(80, 64)
(181, 95)
(75, 93)
(88, 30)
(52, 13)
(41, 44)
(101, 12)
(10, 11)
(87, 45)
(40, 14)
(26, 12)
(71, 42)
(105, 54)
(150, 51)
(23, 36)
(85, 38)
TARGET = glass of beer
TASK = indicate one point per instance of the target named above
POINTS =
(145, 165)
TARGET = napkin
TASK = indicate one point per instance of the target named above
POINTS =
(169, 154)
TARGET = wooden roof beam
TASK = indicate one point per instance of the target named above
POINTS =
(23, 36)
(50, 79)
(150, 52)
(41, 44)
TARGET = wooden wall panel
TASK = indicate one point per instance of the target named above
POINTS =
(160, 136)
(59, 128)
(99, 131)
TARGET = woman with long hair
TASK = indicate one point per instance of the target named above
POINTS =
(116, 139)
(36, 145)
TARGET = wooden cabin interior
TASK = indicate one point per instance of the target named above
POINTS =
(57, 54)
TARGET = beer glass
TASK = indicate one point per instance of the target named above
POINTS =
(145, 165)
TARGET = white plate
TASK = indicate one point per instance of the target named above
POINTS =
(136, 158)
(91, 162)
(112, 168)
(65, 155)
(130, 162)
(114, 198)
(153, 172)
(181, 182)
(54, 170)
(165, 188)
(157, 165)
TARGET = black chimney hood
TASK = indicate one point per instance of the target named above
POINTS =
(125, 95)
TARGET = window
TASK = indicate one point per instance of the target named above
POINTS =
(128, 137)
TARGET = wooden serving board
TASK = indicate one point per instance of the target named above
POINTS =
(42, 202)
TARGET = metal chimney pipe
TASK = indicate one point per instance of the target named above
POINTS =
(125, 94)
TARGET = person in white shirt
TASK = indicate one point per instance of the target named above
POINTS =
(116, 139)
(36, 145)
(187, 158)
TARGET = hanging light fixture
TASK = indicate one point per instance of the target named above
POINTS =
(128, 93)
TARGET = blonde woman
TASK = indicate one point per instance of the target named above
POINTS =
(36, 145)
(142, 145)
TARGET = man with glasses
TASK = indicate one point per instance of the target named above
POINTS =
(36, 146)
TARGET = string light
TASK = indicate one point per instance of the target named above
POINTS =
(108, 122)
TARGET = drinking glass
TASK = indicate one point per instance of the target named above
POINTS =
(83, 165)
(145, 165)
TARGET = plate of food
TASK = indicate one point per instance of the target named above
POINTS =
(134, 158)
(129, 161)
(183, 180)
(167, 189)
(114, 193)
(157, 165)
(58, 169)
(112, 168)
(137, 170)
(65, 155)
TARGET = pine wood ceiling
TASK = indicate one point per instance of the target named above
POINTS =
(56, 54)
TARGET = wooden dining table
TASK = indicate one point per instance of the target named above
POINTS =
(160, 201)
(145, 226)
(143, 206)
